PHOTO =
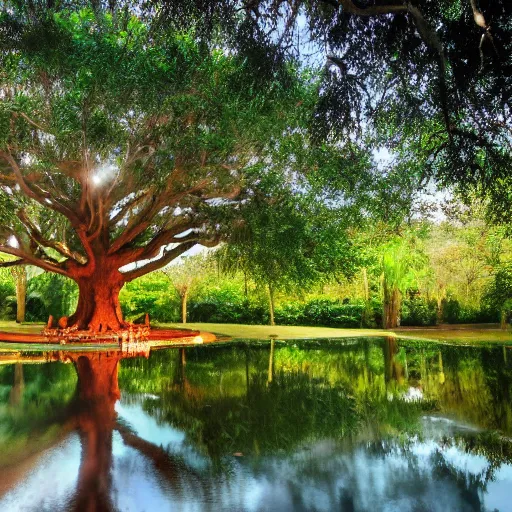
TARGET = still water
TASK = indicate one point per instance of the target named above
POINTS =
(352, 425)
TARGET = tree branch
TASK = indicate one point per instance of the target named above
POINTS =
(129, 206)
(13, 263)
(427, 34)
(165, 237)
(142, 221)
(167, 257)
(34, 260)
(36, 193)
(31, 121)
(37, 236)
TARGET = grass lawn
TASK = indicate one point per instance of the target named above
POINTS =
(10, 326)
(473, 333)
(283, 332)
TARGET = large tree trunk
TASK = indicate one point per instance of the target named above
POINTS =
(98, 309)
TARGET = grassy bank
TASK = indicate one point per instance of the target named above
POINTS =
(443, 333)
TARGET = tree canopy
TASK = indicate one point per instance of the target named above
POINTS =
(431, 81)
(118, 140)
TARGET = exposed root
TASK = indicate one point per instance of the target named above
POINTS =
(128, 333)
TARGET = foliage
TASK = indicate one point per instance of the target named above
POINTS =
(430, 81)
(50, 294)
(417, 310)
(222, 307)
(498, 295)
(321, 312)
(187, 272)
(456, 313)
(7, 298)
(289, 243)
(152, 294)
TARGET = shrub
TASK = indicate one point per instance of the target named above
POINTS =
(322, 312)
(418, 311)
(290, 313)
(456, 313)
(152, 295)
(7, 301)
(50, 294)
(216, 309)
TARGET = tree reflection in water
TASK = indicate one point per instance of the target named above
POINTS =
(91, 413)
(314, 425)
(97, 393)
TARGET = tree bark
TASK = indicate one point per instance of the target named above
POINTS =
(271, 303)
(184, 298)
(391, 307)
(99, 309)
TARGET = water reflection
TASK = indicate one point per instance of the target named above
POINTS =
(97, 393)
(354, 425)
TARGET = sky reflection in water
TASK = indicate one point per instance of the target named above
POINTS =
(359, 425)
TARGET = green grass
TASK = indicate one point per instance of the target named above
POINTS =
(284, 332)
(10, 326)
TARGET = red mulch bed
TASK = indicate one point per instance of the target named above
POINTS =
(154, 334)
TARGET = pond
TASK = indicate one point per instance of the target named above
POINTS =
(357, 424)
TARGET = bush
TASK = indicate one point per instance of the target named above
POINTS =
(418, 311)
(224, 306)
(50, 294)
(153, 295)
(7, 301)
(321, 312)
(290, 313)
(456, 313)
